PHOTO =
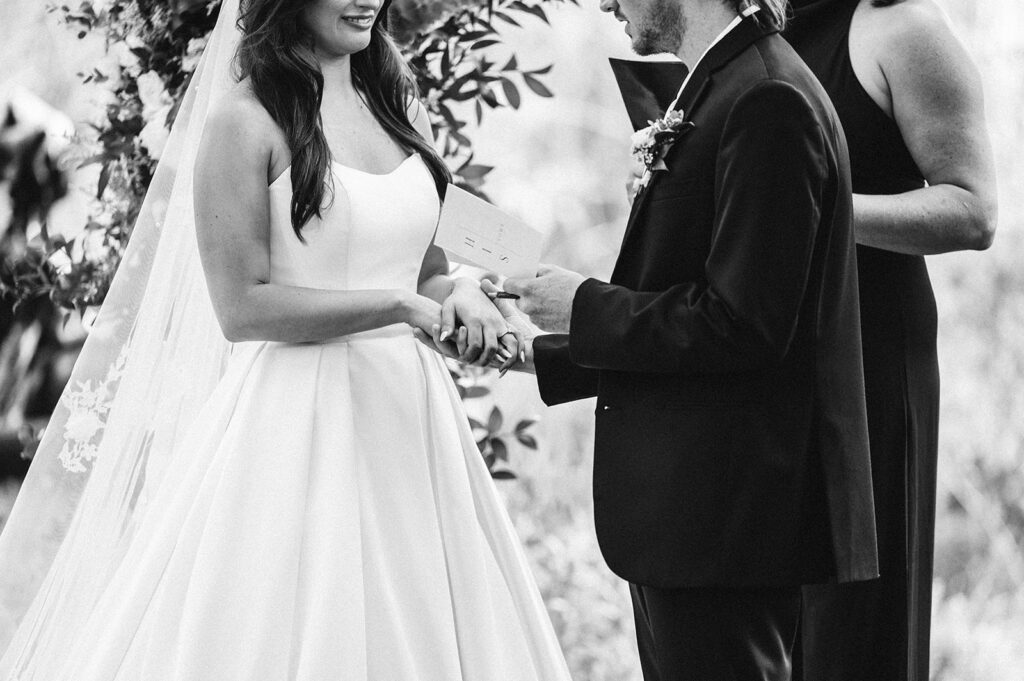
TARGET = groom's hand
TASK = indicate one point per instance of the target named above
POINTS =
(547, 298)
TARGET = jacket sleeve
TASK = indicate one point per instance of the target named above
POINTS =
(558, 378)
(772, 170)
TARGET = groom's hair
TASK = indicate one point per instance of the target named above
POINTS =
(772, 14)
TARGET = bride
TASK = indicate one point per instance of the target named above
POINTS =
(306, 501)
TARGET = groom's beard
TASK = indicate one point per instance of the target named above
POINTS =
(661, 29)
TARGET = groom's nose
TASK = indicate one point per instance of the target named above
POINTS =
(608, 5)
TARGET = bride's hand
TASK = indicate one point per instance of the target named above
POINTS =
(484, 336)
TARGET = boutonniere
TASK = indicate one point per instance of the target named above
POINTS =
(651, 144)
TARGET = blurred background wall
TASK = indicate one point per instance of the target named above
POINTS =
(560, 163)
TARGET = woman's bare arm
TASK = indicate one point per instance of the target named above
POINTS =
(913, 66)
(240, 149)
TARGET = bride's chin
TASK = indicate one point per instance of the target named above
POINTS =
(347, 49)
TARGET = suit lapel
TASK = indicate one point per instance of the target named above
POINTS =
(727, 49)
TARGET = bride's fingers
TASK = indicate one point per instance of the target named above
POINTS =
(520, 344)
(492, 346)
(447, 318)
(429, 342)
(474, 344)
(434, 342)
(511, 347)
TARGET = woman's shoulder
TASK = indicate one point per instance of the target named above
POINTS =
(240, 125)
(239, 114)
(907, 39)
(901, 25)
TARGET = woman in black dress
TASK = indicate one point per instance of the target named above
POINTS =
(910, 101)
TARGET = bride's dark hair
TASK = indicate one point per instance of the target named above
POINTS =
(276, 55)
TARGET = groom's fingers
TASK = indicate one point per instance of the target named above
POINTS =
(516, 286)
(506, 307)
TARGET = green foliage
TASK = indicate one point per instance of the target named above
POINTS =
(493, 437)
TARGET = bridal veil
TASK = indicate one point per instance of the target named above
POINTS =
(154, 353)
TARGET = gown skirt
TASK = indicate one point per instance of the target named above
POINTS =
(336, 523)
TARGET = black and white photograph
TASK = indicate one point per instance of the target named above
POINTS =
(511, 340)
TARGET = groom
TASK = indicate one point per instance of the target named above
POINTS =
(731, 461)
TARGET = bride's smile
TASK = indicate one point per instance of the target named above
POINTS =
(341, 27)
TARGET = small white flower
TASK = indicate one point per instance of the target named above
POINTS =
(126, 59)
(60, 261)
(154, 135)
(154, 97)
(193, 54)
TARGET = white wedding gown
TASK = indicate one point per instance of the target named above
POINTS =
(335, 521)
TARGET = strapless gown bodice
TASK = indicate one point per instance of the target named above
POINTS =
(373, 234)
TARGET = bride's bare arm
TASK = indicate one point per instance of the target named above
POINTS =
(238, 156)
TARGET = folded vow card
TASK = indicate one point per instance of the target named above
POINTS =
(477, 232)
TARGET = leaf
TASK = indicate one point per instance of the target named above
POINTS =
(474, 424)
(541, 71)
(495, 420)
(446, 61)
(512, 64)
(490, 460)
(475, 172)
(537, 86)
(479, 112)
(470, 36)
(535, 10)
(524, 424)
(526, 440)
(506, 18)
(511, 93)
(503, 475)
(500, 449)
(488, 96)
(476, 391)
(103, 181)
(481, 44)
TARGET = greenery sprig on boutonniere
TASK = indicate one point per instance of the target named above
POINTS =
(652, 143)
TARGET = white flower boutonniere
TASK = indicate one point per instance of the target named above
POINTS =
(652, 143)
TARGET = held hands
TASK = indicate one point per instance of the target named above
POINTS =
(518, 322)
(470, 329)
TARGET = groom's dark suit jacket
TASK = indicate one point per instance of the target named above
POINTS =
(731, 442)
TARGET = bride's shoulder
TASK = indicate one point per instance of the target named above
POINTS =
(239, 116)
(419, 118)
